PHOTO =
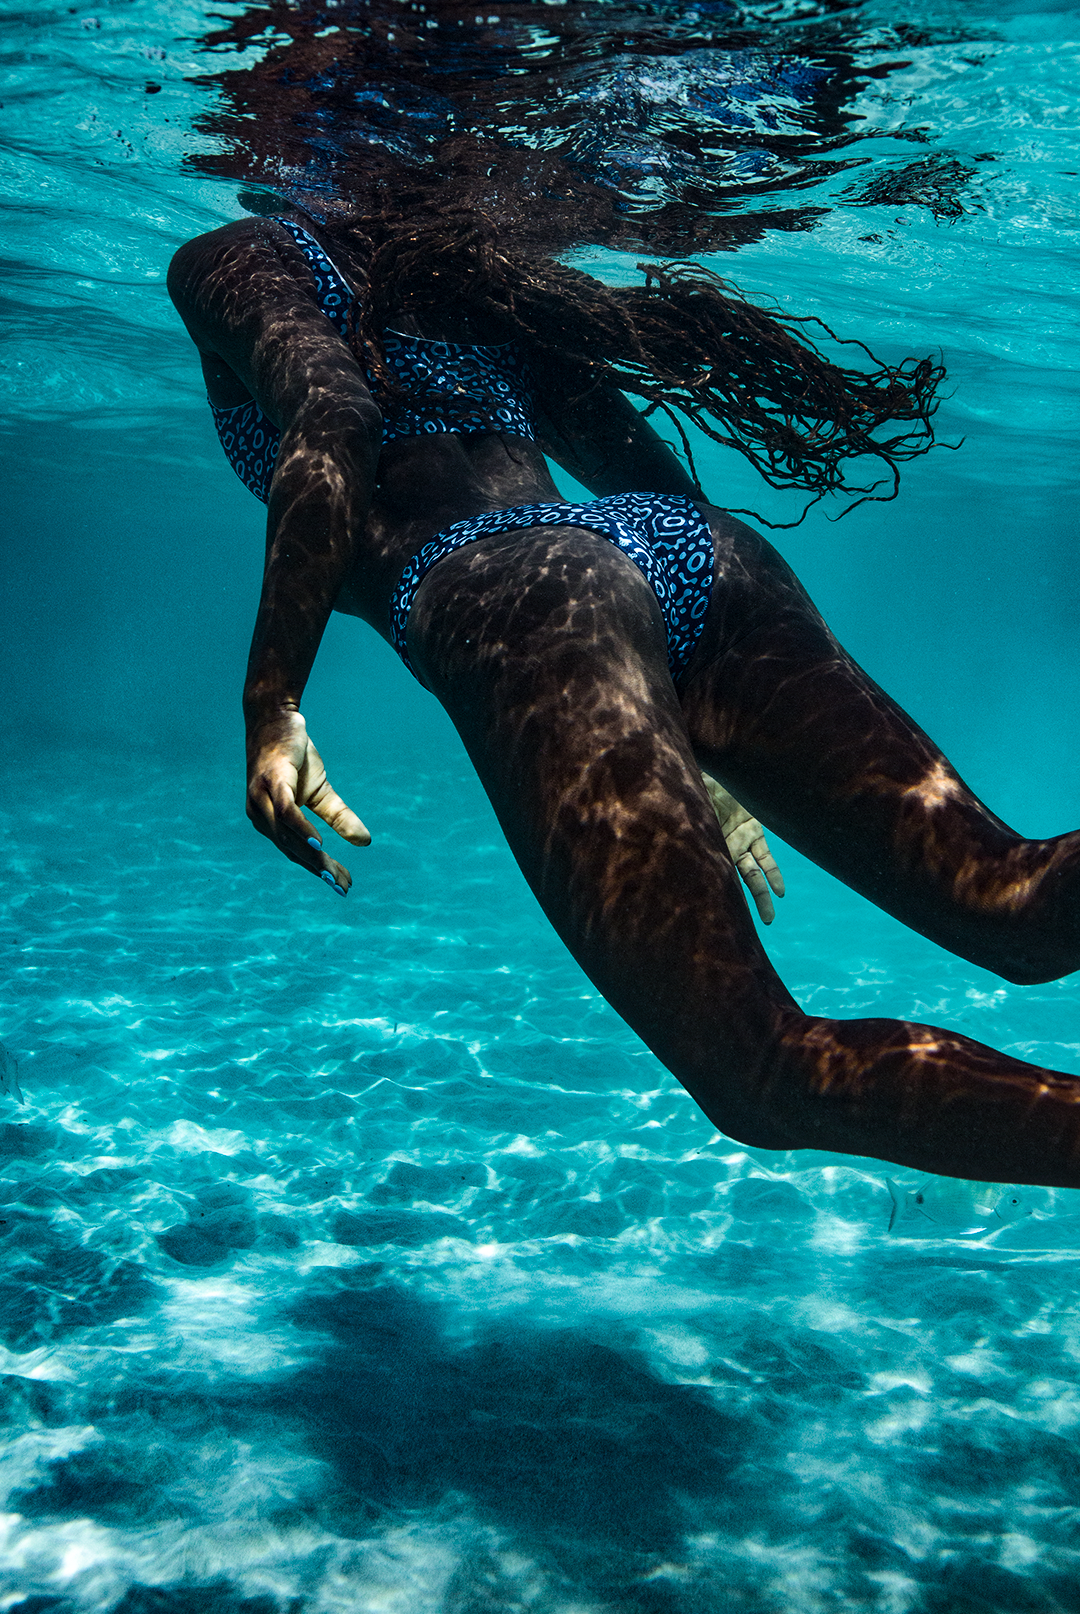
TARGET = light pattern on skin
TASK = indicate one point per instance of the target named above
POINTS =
(937, 788)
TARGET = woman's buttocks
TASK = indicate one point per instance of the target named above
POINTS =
(514, 600)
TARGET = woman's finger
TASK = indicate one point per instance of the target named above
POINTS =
(333, 811)
(757, 885)
(747, 840)
(276, 815)
(768, 865)
(292, 826)
(300, 840)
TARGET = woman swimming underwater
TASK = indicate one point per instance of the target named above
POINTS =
(392, 397)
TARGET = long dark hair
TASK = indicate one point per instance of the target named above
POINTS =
(686, 342)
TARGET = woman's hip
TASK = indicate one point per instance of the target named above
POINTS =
(665, 537)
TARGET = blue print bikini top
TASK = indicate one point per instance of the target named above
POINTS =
(494, 379)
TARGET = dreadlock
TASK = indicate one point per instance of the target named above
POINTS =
(688, 343)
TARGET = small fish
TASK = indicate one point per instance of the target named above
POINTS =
(9, 1075)
(946, 1202)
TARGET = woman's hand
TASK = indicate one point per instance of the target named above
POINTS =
(285, 773)
(748, 847)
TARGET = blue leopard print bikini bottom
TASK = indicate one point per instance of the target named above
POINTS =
(664, 534)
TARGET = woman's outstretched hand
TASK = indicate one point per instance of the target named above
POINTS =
(285, 773)
(748, 847)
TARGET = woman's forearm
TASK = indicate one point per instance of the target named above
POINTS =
(318, 508)
(608, 445)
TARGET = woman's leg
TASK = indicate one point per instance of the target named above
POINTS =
(803, 738)
(547, 649)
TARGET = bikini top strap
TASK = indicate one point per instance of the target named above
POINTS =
(336, 296)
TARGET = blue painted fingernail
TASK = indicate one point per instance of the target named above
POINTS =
(313, 842)
(340, 889)
(328, 877)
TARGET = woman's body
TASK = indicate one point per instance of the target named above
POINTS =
(547, 647)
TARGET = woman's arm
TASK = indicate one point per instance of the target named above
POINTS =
(605, 443)
(250, 307)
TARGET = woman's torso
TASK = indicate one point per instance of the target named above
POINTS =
(437, 465)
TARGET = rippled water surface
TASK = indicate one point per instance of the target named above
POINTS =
(356, 1256)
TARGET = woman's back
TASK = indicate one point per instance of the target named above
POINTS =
(461, 429)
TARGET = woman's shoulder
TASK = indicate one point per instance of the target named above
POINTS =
(249, 265)
(234, 242)
(263, 255)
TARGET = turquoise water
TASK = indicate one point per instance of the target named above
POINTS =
(357, 1257)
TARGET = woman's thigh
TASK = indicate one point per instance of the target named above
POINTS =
(548, 651)
(800, 734)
